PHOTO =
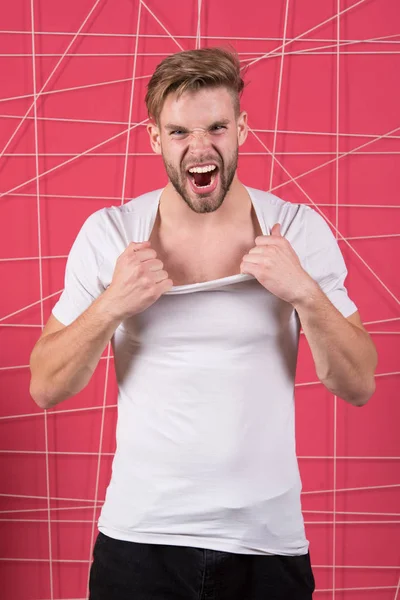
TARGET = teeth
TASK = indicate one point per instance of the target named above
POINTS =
(205, 169)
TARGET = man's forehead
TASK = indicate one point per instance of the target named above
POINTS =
(198, 109)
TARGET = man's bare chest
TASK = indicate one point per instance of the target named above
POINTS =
(197, 259)
(190, 263)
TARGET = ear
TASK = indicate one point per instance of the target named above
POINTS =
(154, 134)
(242, 127)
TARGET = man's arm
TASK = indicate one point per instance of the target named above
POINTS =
(64, 358)
(344, 355)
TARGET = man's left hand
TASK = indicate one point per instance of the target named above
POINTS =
(275, 264)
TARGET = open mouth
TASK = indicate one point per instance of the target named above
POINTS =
(203, 179)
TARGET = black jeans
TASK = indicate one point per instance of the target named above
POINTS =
(135, 571)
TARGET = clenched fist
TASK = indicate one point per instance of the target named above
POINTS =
(138, 280)
(275, 264)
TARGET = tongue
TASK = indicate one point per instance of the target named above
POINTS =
(202, 179)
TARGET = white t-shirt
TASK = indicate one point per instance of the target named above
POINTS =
(205, 436)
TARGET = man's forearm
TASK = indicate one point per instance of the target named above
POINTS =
(63, 362)
(344, 354)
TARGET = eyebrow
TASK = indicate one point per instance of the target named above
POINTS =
(172, 126)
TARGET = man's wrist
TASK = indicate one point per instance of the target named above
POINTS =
(309, 295)
(108, 307)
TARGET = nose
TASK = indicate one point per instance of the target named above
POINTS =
(199, 139)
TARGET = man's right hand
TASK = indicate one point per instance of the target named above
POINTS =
(138, 280)
(65, 357)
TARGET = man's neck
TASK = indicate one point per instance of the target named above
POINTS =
(174, 211)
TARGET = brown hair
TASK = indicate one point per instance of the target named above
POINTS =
(192, 70)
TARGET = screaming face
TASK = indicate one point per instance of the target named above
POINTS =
(198, 136)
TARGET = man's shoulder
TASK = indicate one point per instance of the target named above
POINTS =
(291, 215)
(263, 195)
(137, 205)
(120, 222)
(120, 215)
(272, 206)
(267, 199)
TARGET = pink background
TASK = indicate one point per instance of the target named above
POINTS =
(322, 96)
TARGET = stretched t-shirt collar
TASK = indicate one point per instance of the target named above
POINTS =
(215, 283)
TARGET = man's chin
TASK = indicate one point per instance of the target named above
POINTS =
(205, 203)
(198, 201)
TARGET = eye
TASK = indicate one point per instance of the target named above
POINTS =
(177, 132)
(218, 127)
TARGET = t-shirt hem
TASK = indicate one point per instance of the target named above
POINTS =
(209, 543)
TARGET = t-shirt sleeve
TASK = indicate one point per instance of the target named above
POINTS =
(82, 283)
(325, 263)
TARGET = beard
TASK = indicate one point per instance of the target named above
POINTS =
(211, 201)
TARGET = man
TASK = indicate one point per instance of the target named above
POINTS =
(202, 287)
